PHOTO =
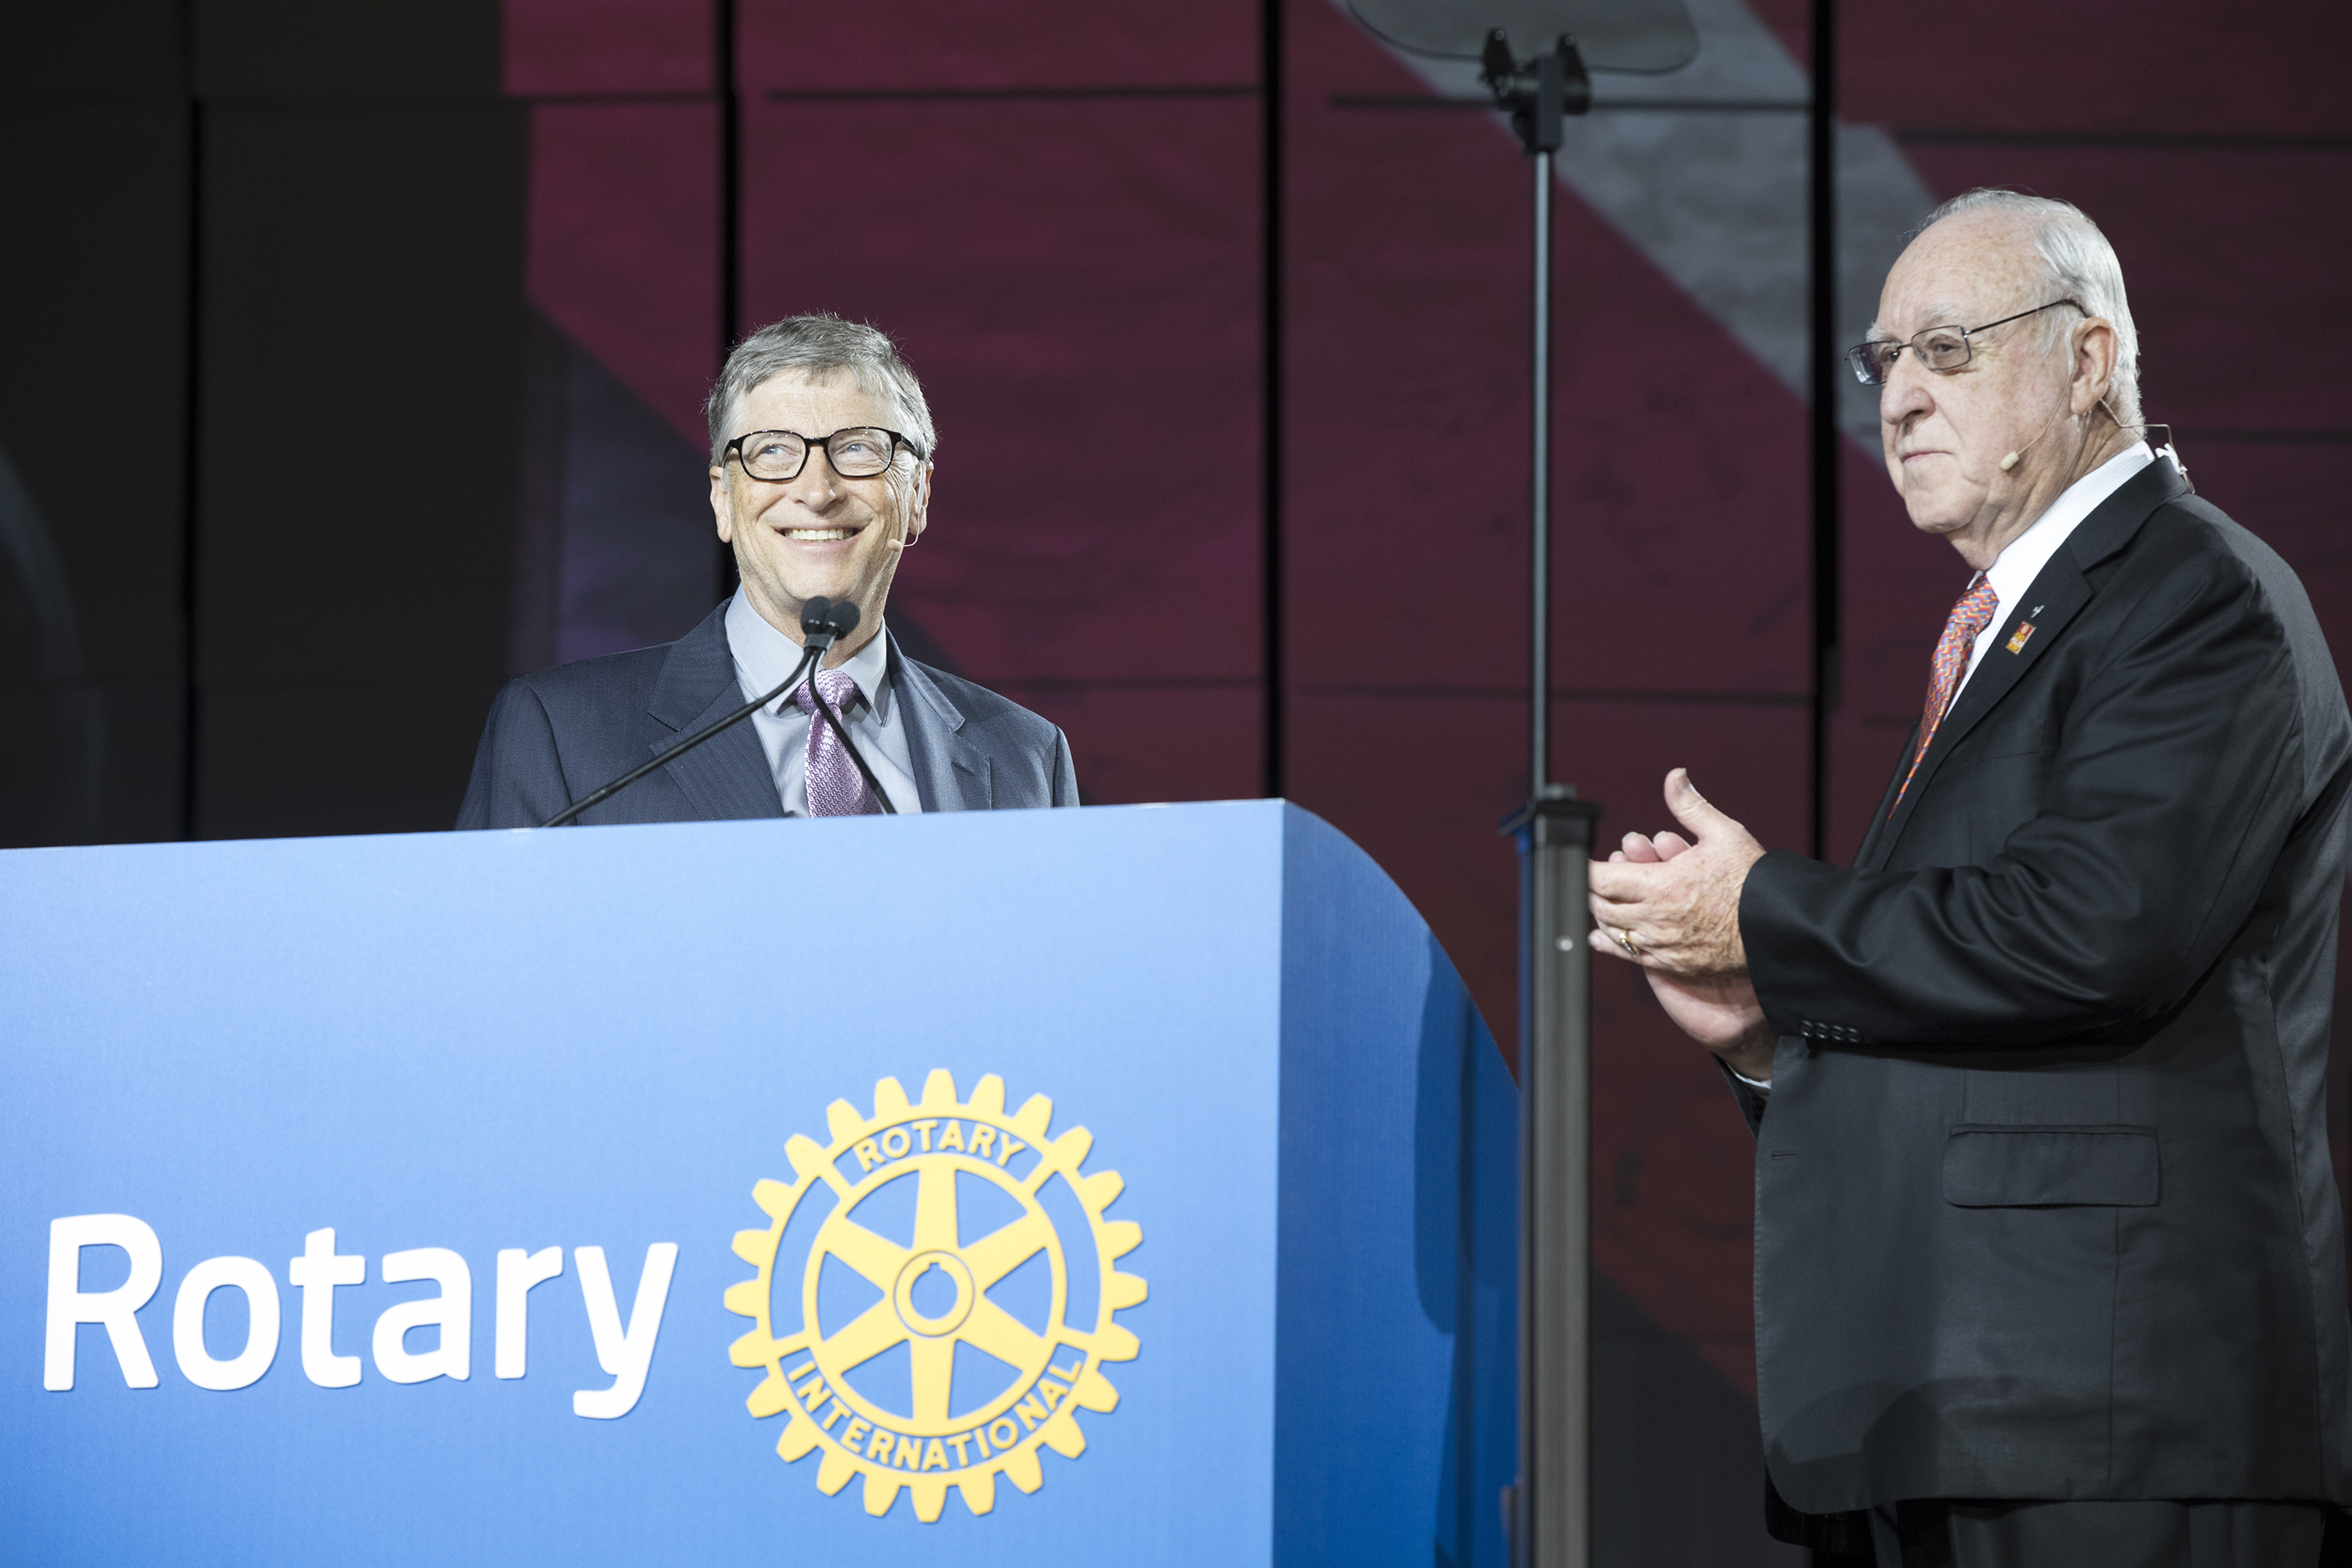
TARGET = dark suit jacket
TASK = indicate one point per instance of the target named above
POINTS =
(564, 732)
(2043, 1201)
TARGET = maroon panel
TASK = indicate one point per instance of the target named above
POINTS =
(1899, 588)
(984, 44)
(607, 46)
(1406, 414)
(1155, 743)
(1791, 22)
(1680, 512)
(1672, 1176)
(625, 243)
(1864, 751)
(1077, 285)
(2177, 66)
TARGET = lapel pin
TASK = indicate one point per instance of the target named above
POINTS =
(2017, 639)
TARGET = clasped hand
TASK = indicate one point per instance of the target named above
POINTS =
(1670, 904)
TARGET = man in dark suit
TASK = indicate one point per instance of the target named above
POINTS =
(821, 454)
(2049, 1263)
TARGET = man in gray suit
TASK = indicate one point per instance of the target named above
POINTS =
(2049, 1257)
(821, 454)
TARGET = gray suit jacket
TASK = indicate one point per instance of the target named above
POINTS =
(2043, 1201)
(564, 732)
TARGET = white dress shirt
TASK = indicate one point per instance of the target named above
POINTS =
(2022, 560)
(765, 657)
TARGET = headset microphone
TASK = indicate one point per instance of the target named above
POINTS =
(2010, 462)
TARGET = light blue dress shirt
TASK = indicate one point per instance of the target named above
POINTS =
(764, 657)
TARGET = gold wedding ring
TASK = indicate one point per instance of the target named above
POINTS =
(1625, 940)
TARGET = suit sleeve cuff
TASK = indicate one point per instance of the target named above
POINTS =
(1750, 1095)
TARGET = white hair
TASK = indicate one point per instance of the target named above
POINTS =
(2079, 264)
(820, 346)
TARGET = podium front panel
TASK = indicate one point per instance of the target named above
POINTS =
(714, 1193)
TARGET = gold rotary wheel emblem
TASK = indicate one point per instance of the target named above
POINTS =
(934, 1298)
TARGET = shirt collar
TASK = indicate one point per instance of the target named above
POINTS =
(765, 658)
(2018, 564)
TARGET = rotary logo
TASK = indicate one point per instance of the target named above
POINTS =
(936, 1325)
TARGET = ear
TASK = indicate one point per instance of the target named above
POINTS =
(720, 509)
(918, 502)
(2094, 349)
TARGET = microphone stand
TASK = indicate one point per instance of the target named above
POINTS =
(1550, 1509)
(821, 624)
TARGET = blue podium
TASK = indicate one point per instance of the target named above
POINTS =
(1129, 1184)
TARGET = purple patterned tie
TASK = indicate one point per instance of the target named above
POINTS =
(1969, 617)
(835, 787)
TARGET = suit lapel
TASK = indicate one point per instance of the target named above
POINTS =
(951, 774)
(727, 777)
(2054, 599)
(2030, 628)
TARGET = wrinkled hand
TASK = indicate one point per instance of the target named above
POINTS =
(1677, 901)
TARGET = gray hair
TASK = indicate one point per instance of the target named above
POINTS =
(2081, 266)
(820, 346)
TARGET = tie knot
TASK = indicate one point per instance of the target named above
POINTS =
(1977, 605)
(839, 688)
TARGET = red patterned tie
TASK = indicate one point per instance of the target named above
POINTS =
(1969, 617)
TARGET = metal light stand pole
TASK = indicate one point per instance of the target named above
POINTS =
(1549, 1510)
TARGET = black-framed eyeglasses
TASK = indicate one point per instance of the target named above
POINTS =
(1938, 348)
(859, 452)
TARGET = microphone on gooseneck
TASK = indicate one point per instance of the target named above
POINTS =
(844, 620)
(821, 623)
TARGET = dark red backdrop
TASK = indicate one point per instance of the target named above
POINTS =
(1072, 235)
(492, 239)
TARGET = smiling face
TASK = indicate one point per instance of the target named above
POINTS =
(1946, 433)
(818, 533)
